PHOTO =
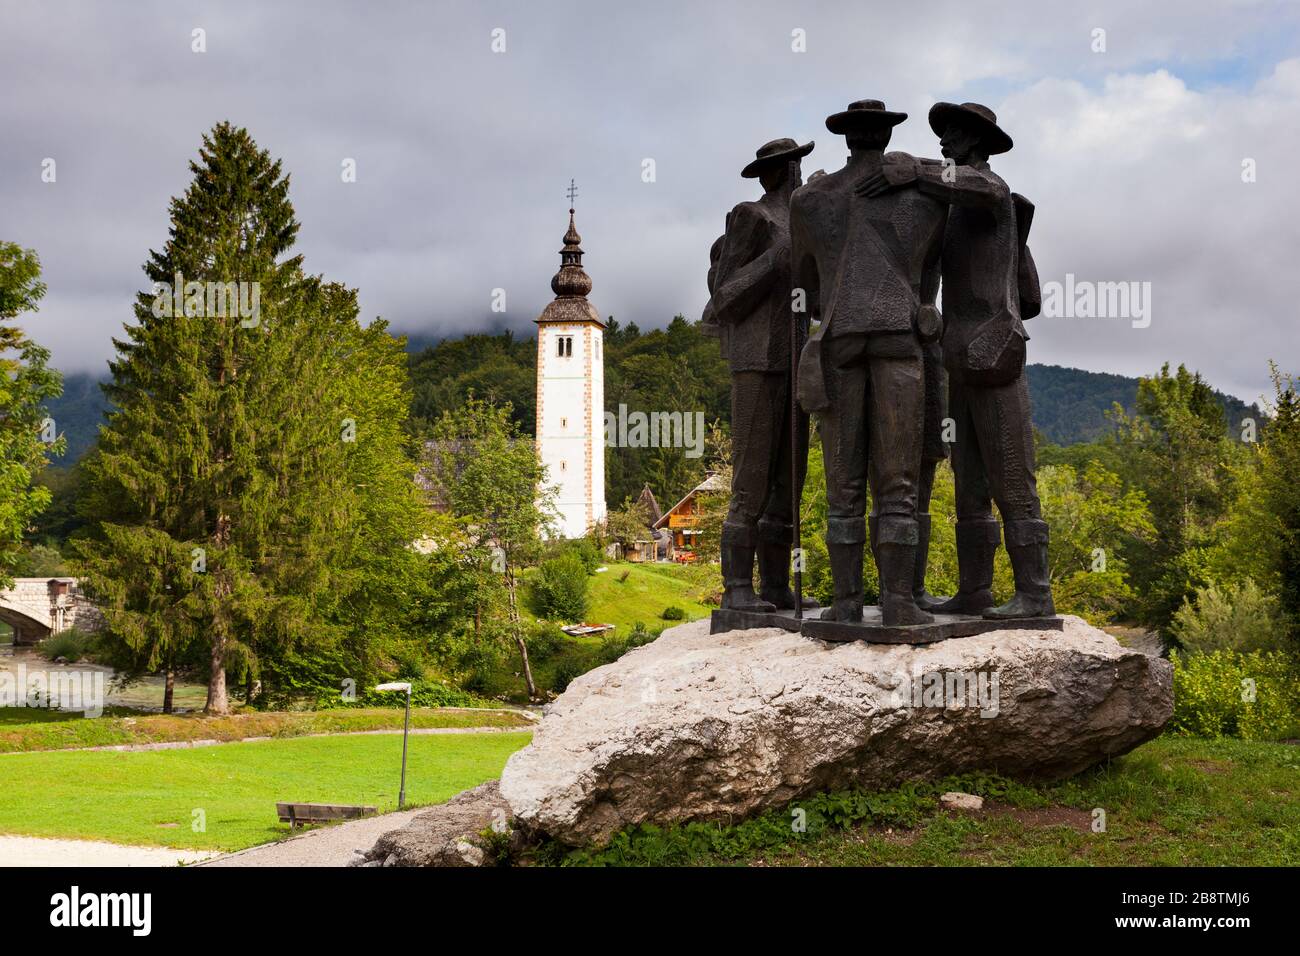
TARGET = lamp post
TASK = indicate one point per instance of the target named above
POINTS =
(406, 730)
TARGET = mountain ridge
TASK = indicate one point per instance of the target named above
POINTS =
(1069, 404)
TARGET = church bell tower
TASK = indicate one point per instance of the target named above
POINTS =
(571, 393)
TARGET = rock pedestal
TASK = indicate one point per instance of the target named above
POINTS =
(444, 835)
(719, 727)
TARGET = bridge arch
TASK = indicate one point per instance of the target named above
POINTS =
(28, 628)
(38, 607)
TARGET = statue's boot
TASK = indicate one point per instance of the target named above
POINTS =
(775, 546)
(738, 571)
(844, 543)
(896, 541)
(923, 598)
(977, 544)
(1027, 548)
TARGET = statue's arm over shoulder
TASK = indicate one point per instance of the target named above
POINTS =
(961, 185)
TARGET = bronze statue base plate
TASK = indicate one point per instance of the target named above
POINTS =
(725, 619)
(945, 626)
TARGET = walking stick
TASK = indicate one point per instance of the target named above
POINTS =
(794, 465)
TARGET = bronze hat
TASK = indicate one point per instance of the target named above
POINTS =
(975, 115)
(778, 151)
(863, 113)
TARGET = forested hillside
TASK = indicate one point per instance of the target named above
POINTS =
(673, 369)
(1070, 404)
(77, 414)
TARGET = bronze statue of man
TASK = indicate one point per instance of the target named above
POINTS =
(988, 277)
(749, 309)
(863, 263)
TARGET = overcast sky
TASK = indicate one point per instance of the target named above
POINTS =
(1133, 155)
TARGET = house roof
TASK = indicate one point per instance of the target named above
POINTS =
(711, 482)
(647, 499)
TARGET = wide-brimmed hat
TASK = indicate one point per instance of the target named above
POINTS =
(778, 151)
(864, 114)
(975, 115)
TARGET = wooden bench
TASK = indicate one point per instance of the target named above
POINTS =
(302, 814)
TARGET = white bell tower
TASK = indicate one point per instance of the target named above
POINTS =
(571, 393)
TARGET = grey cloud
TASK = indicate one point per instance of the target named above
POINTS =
(463, 155)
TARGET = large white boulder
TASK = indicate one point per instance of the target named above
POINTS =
(696, 726)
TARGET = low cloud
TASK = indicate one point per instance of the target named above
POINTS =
(1132, 156)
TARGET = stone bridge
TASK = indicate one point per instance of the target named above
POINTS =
(38, 607)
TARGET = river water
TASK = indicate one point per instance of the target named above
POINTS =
(143, 694)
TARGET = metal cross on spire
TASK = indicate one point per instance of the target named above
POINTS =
(572, 193)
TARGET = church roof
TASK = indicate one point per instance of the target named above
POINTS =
(571, 285)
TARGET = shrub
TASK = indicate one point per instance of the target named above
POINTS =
(1237, 617)
(673, 613)
(1254, 695)
(544, 640)
(565, 672)
(424, 693)
(410, 663)
(561, 588)
(73, 645)
(612, 648)
(586, 551)
(39, 561)
(639, 635)
(1096, 596)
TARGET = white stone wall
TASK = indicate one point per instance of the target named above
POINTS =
(570, 423)
(597, 494)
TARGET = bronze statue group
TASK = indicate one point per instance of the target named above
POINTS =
(863, 252)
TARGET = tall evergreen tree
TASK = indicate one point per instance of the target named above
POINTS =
(1262, 542)
(229, 482)
(26, 383)
(1175, 447)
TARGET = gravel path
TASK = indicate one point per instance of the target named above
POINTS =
(39, 851)
(328, 846)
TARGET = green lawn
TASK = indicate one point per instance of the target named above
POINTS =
(640, 598)
(148, 797)
(24, 729)
(1175, 801)
(1172, 802)
(649, 589)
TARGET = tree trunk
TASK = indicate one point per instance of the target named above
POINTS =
(169, 689)
(519, 634)
(218, 700)
(218, 703)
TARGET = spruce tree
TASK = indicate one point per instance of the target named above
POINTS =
(231, 480)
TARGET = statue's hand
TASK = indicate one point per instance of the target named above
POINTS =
(891, 176)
